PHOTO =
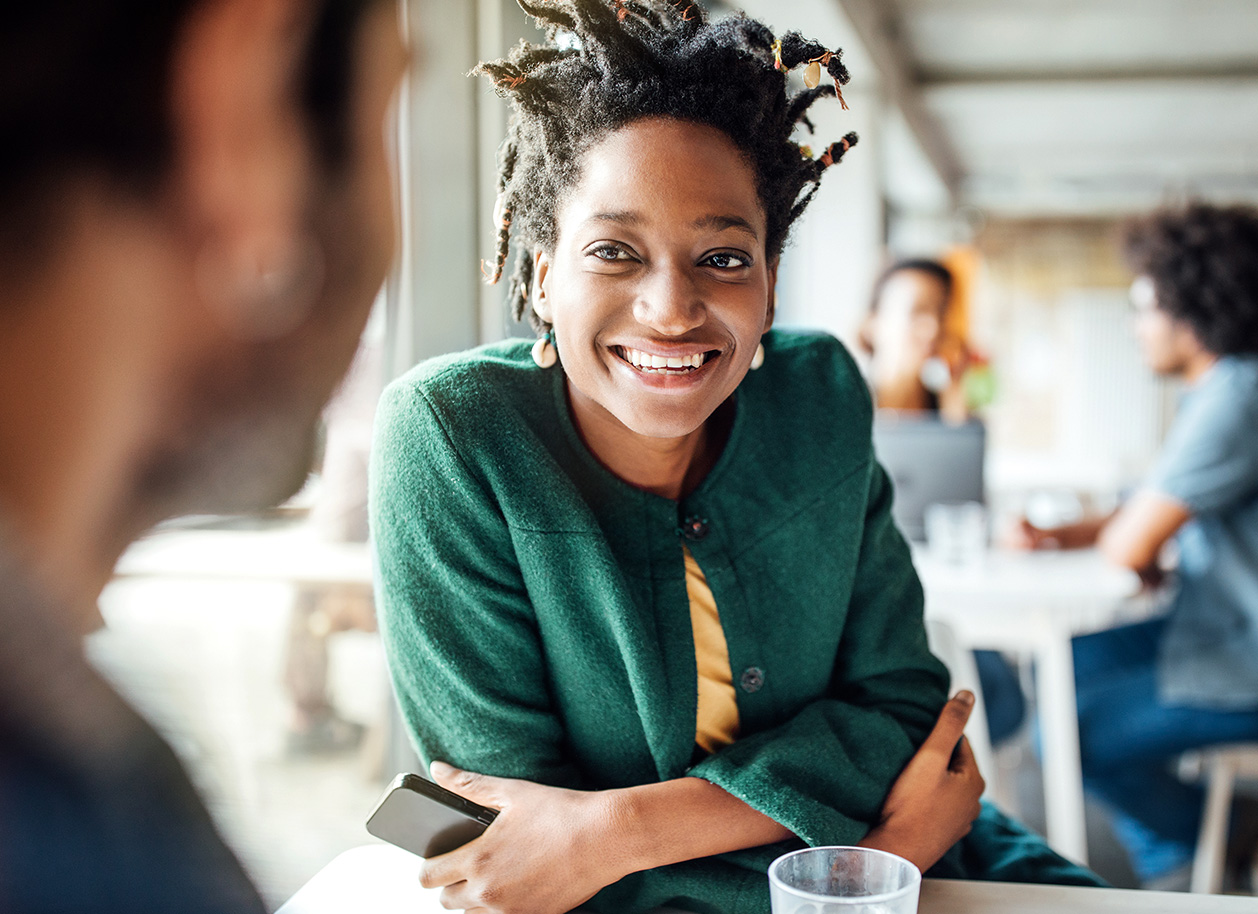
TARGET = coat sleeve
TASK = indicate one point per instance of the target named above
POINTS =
(457, 624)
(825, 773)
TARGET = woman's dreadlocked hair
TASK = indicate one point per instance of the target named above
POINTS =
(625, 60)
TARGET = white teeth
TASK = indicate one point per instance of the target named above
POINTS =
(648, 362)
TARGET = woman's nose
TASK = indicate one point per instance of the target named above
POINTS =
(669, 301)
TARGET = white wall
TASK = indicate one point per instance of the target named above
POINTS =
(835, 252)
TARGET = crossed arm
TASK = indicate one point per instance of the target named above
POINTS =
(551, 849)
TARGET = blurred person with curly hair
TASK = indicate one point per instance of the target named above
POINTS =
(1150, 691)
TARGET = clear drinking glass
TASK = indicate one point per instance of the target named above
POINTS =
(957, 532)
(843, 880)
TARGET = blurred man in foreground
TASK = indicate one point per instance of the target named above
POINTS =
(195, 217)
(1150, 691)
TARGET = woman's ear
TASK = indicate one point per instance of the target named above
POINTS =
(243, 162)
(541, 269)
(243, 166)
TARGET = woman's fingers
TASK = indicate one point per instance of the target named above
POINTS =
(450, 869)
(479, 788)
(444, 871)
(454, 898)
(963, 759)
(1025, 535)
(965, 766)
(950, 726)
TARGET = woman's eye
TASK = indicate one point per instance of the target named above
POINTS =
(726, 260)
(610, 253)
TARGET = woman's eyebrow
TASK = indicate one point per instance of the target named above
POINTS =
(627, 217)
(712, 222)
(722, 222)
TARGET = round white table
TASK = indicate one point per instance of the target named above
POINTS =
(1035, 602)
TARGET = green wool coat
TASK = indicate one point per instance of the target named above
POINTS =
(535, 614)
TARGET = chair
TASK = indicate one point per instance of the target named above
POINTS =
(960, 663)
(1219, 767)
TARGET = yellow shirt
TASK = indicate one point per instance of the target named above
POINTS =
(716, 723)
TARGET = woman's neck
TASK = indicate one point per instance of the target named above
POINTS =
(668, 467)
(901, 392)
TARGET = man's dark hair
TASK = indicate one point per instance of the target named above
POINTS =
(85, 87)
(1203, 261)
(931, 268)
(608, 63)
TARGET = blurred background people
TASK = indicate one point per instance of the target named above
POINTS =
(195, 217)
(1150, 691)
(916, 366)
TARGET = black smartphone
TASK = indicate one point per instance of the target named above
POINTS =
(425, 818)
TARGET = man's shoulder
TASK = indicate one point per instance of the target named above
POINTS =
(87, 786)
(1226, 397)
(141, 842)
(1236, 376)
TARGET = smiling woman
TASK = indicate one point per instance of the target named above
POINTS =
(640, 581)
(657, 293)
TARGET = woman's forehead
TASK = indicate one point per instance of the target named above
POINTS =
(667, 169)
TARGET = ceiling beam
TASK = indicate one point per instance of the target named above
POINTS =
(876, 24)
(945, 78)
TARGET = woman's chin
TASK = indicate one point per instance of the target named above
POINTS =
(665, 423)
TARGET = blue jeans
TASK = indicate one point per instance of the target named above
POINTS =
(1128, 741)
(1002, 695)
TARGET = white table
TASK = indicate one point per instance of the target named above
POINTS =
(293, 553)
(379, 879)
(1035, 602)
(376, 879)
(946, 896)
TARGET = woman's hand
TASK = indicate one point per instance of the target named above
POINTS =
(935, 800)
(1025, 535)
(548, 851)
(1079, 535)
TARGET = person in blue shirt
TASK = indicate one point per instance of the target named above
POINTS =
(1151, 691)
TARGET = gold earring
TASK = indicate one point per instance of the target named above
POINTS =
(758, 359)
(544, 353)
